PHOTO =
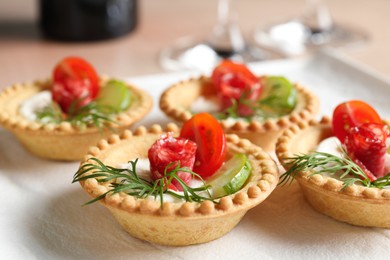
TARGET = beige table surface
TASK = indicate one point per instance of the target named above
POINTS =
(25, 55)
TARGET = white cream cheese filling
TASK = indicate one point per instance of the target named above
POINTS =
(202, 104)
(210, 105)
(35, 103)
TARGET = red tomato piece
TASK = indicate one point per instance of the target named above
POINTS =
(209, 136)
(367, 144)
(171, 151)
(350, 114)
(75, 83)
(235, 82)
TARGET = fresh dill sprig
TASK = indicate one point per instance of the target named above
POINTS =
(128, 181)
(382, 182)
(263, 109)
(50, 114)
(324, 163)
(230, 112)
(90, 114)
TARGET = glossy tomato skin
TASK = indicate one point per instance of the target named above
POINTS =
(209, 136)
(235, 82)
(171, 151)
(75, 83)
(350, 114)
(366, 144)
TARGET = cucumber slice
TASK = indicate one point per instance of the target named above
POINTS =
(115, 94)
(231, 176)
(280, 96)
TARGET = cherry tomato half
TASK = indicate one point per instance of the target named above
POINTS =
(350, 114)
(234, 81)
(209, 136)
(75, 83)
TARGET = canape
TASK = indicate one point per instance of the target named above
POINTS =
(60, 118)
(173, 212)
(341, 164)
(255, 108)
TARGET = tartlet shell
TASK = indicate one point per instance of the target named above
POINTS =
(179, 224)
(176, 101)
(62, 141)
(355, 204)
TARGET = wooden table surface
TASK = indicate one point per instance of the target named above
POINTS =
(25, 55)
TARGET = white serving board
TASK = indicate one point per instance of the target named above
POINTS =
(41, 216)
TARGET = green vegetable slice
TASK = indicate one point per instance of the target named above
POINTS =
(231, 176)
(115, 94)
(280, 96)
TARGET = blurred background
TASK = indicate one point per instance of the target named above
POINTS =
(25, 54)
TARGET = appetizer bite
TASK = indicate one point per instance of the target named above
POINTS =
(61, 117)
(255, 108)
(342, 164)
(178, 186)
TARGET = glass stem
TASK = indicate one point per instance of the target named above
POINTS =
(317, 16)
(226, 37)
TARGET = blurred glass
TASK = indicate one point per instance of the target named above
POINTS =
(314, 29)
(87, 20)
(224, 41)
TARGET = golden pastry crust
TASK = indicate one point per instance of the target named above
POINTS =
(355, 204)
(185, 223)
(62, 141)
(177, 99)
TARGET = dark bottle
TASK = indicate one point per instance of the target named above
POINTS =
(87, 20)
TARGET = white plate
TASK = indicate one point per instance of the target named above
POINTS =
(41, 216)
